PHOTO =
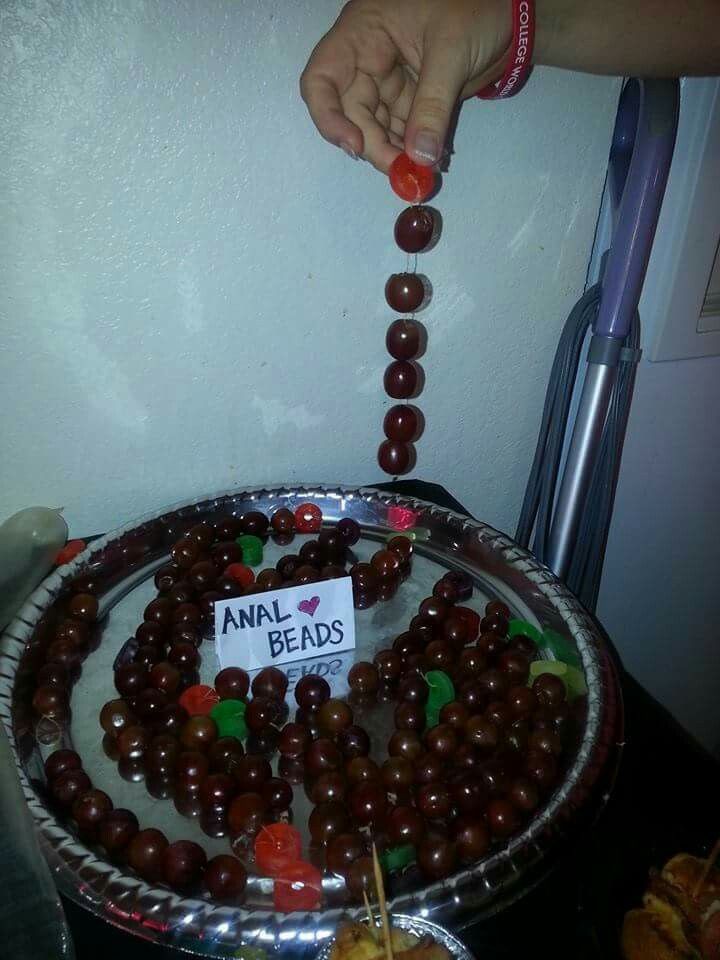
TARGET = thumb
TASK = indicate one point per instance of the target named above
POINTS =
(442, 78)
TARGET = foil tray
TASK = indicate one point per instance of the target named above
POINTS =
(421, 928)
(124, 562)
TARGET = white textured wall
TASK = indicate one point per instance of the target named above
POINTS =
(191, 281)
(660, 598)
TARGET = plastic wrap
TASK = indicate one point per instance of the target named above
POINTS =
(29, 542)
(31, 916)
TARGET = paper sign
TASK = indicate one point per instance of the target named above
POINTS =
(281, 626)
(332, 667)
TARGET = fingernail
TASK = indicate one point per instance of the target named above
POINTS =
(349, 150)
(427, 146)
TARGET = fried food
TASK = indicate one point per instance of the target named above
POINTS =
(357, 941)
(675, 923)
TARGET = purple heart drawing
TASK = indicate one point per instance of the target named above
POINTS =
(309, 606)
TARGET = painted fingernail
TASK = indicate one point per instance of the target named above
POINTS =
(426, 147)
(349, 150)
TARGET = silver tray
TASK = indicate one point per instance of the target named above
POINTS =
(124, 562)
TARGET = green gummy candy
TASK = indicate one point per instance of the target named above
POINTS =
(229, 717)
(250, 953)
(561, 648)
(432, 718)
(441, 690)
(575, 682)
(252, 548)
(410, 534)
(395, 858)
(527, 629)
(417, 533)
(572, 677)
(547, 666)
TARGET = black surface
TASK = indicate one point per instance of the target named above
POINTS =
(666, 800)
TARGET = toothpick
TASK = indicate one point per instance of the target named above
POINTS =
(382, 904)
(709, 864)
(371, 918)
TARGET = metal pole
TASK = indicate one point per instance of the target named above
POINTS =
(581, 460)
(645, 132)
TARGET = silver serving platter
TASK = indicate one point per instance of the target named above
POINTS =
(124, 562)
(421, 928)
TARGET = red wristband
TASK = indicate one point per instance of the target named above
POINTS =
(519, 66)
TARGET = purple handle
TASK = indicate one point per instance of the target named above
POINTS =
(640, 156)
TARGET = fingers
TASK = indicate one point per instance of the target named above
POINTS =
(378, 148)
(442, 78)
(326, 77)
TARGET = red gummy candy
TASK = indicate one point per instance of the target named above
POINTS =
(71, 549)
(410, 180)
(401, 518)
(308, 518)
(198, 700)
(299, 887)
(238, 571)
(276, 847)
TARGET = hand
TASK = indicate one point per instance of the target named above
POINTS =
(389, 75)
